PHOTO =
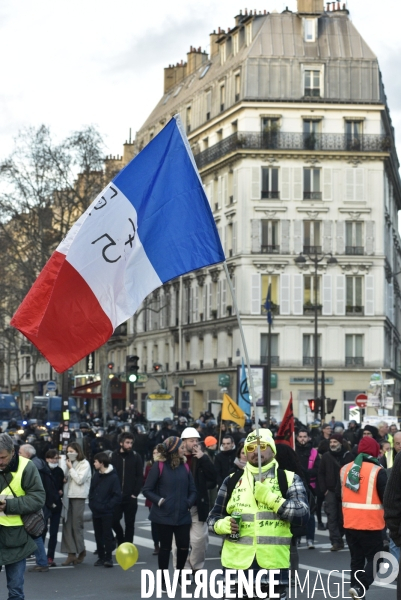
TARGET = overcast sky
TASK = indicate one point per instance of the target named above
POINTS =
(72, 63)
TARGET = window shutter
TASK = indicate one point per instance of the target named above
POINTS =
(284, 294)
(235, 185)
(219, 186)
(223, 298)
(255, 294)
(191, 305)
(210, 303)
(349, 184)
(337, 193)
(370, 237)
(298, 295)
(297, 237)
(327, 295)
(369, 295)
(234, 233)
(224, 189)
(204, 302)
(285, 236)
(235, 296)
(218, 299)
(285, 183)
(327, 233)
(226, 239)
(359, 183)
(256, 235)
(297, 175)
(327, 184)
(340, 235)
(255, 183)
(340, 295)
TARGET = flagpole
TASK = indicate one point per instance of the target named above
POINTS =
(248, 364)
(269, 366)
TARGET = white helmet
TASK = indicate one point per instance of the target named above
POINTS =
(189, 432)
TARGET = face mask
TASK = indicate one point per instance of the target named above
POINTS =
(53, 465)
(72, 455)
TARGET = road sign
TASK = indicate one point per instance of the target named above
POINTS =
(160, 396)
(361, 400)
(51, 386)
(142, 377)
(389, 382)
(373, 401)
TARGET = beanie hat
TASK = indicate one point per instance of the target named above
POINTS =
(171, 444)
(265, 435)
(368, 445)
(210, 440)
(337, 436)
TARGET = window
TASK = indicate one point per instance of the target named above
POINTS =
(205, 70)
(309, 293)
(312, 239)
(272, 280)
(235, 44)
(222, 53)
(354, 304)
(312, 184)
(270, 130)
(308, 353)
(353, 238)
(311, 134)
(237, 86)
(310, 30)
(222, 97)
(274, 356)
(354, 350)
(353, 134)
(270, 243)
(248, 34)
(188, 119)
(185, 400)
(312, 83)
(208, 104)
(270, 182)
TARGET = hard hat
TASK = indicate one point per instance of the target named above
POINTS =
(189, 432)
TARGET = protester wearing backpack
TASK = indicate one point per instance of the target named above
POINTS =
(171, 489)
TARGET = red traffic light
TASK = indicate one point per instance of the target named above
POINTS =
(157, 367)
(110, 365)
(312, 405)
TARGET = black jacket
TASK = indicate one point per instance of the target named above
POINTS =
(392, 501)
(329, 470)
(303, 453)
(224, 463)
(129, 468)
(58, 478)
(104, 493)
(204, 474)
(52, 495)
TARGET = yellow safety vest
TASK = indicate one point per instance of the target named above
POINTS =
(15, 520)
(389, 458)
(262, 533)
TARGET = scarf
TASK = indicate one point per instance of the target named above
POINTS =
(354, 474)
(254, 471)
(240, 463)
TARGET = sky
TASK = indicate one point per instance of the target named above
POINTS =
(72, 63)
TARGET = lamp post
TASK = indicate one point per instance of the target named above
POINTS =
(315, 259)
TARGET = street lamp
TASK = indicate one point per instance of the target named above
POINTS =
(315, 259)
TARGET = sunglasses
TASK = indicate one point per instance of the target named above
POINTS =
(252, 447)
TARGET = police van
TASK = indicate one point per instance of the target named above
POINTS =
(48, 410)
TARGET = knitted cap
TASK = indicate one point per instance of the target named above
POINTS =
(337, 436)
(265, 436)
(368, 445)
(172, 444)
(372, 429)
(210, 441)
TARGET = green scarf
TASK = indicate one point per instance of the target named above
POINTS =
(255, 470)
(354, 474)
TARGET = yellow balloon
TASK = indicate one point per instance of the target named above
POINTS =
(127, 555)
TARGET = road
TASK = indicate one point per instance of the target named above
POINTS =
(86, 581)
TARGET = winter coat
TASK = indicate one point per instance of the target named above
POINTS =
(105, 492)
(303, 452)
(330, 466)
(178, 489)
(205, 477)
(392, 501)
(52, 495)
(223, 462)
(79, 479)
(129, 468)
(15, 543)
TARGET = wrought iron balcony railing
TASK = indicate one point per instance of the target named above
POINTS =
(312, 195)
(354, 310)
(310, 361)
(355, 250)
(270, 249)
(312, 249)
(354, 361)
(271, 195)
(280, 140)
(274, 360)
(275, 309)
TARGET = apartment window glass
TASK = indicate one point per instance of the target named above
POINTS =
(310, 30)
(270, 131)
(274, 356)
(270, 182)
(353, 237)
(308, 349)
(312, 239)
(354, 295)
(237, 85)
(311, 130)
(222, 97)
(270, 243)
(208, 104)
(312, 83)
(188, 119)
(272, 280)
(312, 184)
(309, 290)
(235, 44)
(354, 350)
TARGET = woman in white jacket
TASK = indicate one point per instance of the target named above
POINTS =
(78, 484)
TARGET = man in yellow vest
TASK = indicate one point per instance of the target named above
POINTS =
(18, 477)
(266, 514)
(362, 489)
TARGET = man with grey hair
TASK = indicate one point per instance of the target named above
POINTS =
(21, 493)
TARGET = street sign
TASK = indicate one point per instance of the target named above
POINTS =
(361, 400)
(389, 382)
(373, 401)
(160, 396)
(51, 386)
(142, 377)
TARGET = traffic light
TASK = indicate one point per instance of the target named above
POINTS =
(315, 405)
(330, 405)
(157, 367)
(110, 366)
(132, 368)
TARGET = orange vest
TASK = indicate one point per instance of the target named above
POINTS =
(362, 510)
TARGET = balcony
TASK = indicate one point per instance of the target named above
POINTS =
(309, 361)
(274, 309)
(354, 310)
(274, 360)
(274, 195)
(279, 140)
(354, 250)
(270, 249)
(312, 249)
(312, 195)
(309, 309)
(354, 361)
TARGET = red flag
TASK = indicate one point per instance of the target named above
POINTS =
(285, 434)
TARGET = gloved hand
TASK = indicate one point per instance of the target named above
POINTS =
(223, 526)
(264, 494)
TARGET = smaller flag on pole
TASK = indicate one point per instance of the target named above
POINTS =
(244, 401)
(231, 411)
(285, 434)
(268, 305)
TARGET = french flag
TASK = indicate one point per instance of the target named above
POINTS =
(152, 223)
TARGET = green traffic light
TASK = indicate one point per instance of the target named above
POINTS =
(133, 377)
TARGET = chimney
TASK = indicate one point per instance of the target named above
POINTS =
(195, 58)
(214, 48)
(173, 74)
(310, 7)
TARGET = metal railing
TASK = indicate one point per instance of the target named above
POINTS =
(310, 309)
(355, 250)
(354, 310)
(312, 195)
(312, 249)
(354, 361)
(274, 360)
(274, 309)
(270, 249)
(271, 195)
(310, 361)
(280, 140)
